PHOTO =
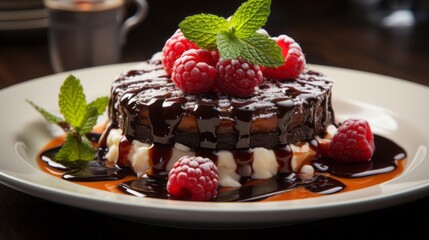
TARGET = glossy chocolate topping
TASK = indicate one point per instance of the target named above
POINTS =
(146, 104)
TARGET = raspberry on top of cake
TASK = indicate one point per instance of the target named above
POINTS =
(225, 90)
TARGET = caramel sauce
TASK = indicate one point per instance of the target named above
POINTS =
(387, 163)
(350, 183)
(149, 109)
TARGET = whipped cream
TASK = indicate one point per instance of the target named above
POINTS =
(263, 166)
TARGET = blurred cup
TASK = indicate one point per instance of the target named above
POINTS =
(86, 33)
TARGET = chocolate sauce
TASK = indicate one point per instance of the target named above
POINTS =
(285, 108)
(159, 127)
(160, 156)
(148, 107)
(244, 161)
(146, 187)
(383, 160)
(207, 117)
(251, 191)
(48, 156)
(84, 171)
(164, 115)
(310, 101)
(284, 158)
(324, 185)
(154, 183)
(96, 171)
(242, 112)
(123, 149)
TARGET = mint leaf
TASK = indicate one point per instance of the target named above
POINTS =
(237, 37)
(228, 45)
(250, 17)
(89, 121)
(257, 49)
(100, 104)
(261, 49)
(93, 110)
(80, 119)
(74, 149)
(72, 101)
(48, 116)
(202, 29)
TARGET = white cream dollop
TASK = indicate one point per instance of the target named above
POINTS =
(112, 143)
(264, 164)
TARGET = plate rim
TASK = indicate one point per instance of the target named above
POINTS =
(264, 208)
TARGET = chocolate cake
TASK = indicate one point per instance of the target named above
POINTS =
(148, 107)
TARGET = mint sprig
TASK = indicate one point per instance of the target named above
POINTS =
(79, 119)
(250, 17)
(237, 37)
(203, 29)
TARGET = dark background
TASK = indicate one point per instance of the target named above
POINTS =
(332, 32)
(335, 33)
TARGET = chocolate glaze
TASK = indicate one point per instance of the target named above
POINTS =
(244, 161)
(154, 183)
(160, 155)
(207, 119)
(284, 156)
(148, 107)
(242, 113)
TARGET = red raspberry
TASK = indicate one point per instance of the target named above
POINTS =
(294, 60)
(353, 142)
(194, 71)
(215, 55)
(193, 178)
(173, 49)
(238, 77)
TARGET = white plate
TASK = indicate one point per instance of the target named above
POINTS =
(395, 109)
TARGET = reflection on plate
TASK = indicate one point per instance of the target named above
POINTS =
(355, 94)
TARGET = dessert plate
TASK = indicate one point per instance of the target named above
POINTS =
(383, 101)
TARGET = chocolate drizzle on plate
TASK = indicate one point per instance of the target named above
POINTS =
(249, 192)
(146, 106)
(385, 149)
(154, 183)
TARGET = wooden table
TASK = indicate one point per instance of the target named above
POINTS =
(334, 33)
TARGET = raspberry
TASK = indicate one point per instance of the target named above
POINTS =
(173, 49)
(353, 142)
(216, 55)
(194, 71)
(238, 77)
(193, 178)
(294, 60)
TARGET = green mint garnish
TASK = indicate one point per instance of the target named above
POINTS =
(236, 37)
(80, 118)
(75, 149)
(48, 116)
(250, 17)
(203, 29)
